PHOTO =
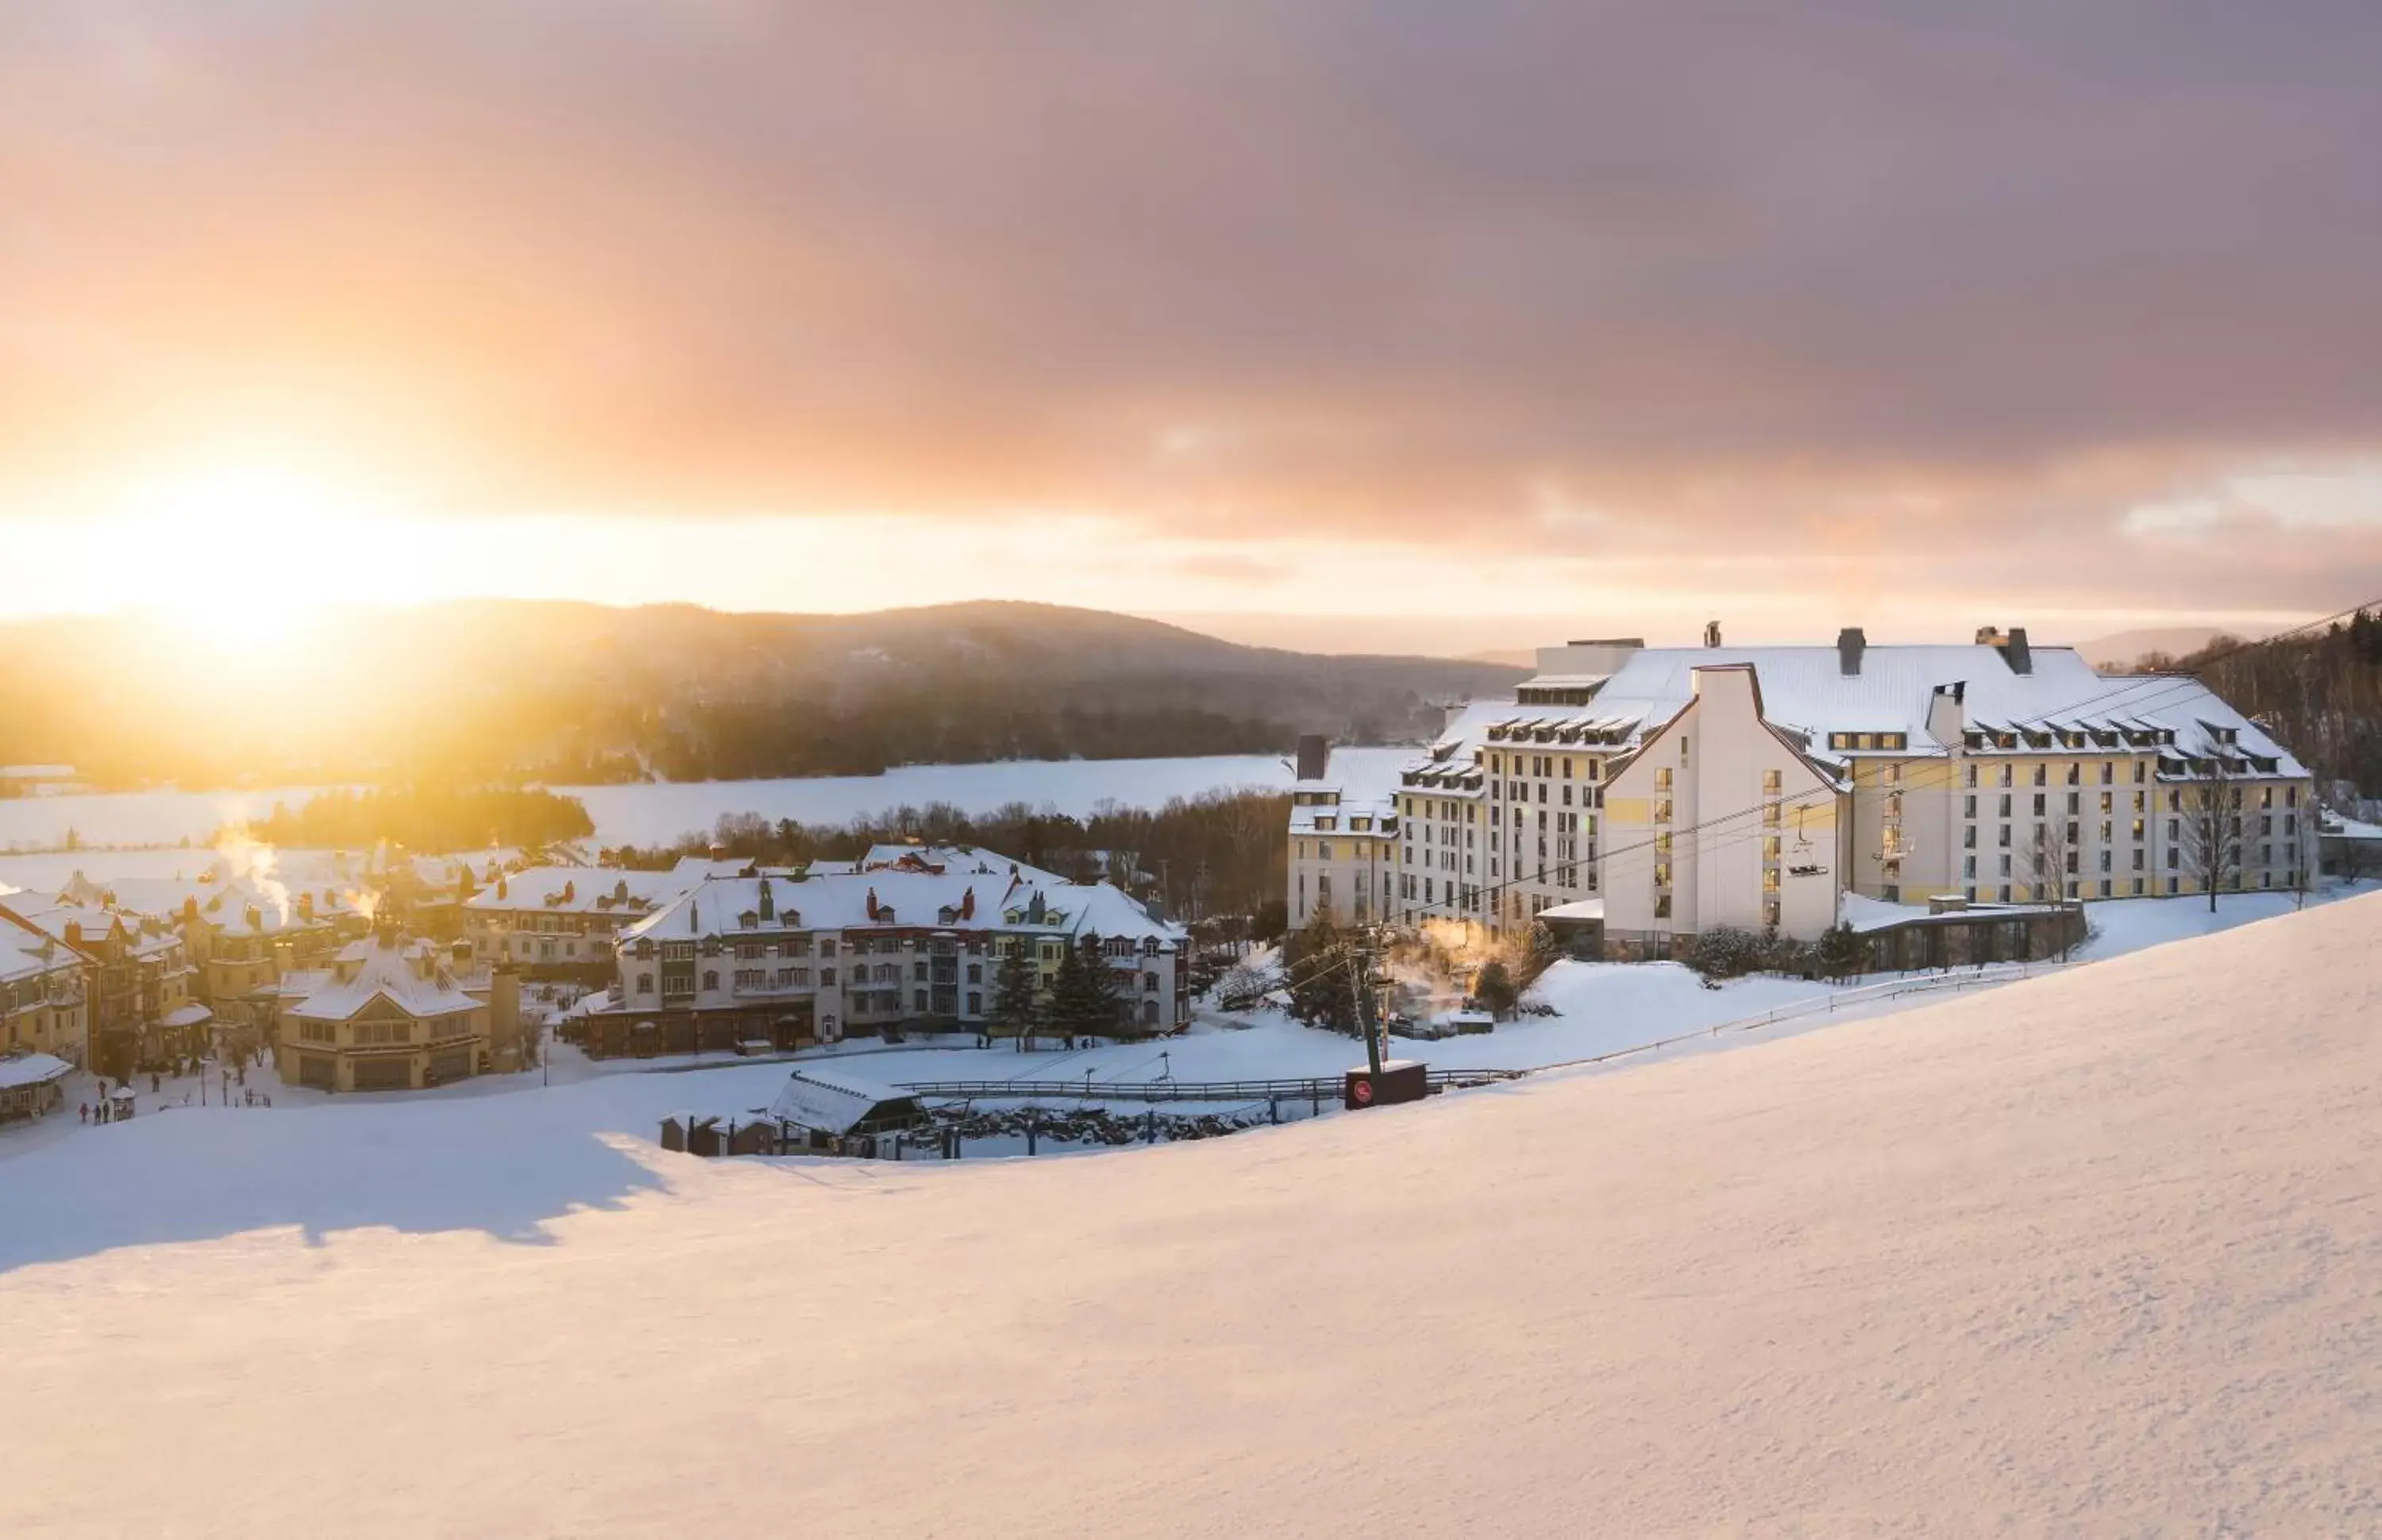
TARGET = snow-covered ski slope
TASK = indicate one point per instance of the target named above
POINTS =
(2099, 1253)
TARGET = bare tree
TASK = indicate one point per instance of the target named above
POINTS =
(2212, 828)
(2051, 863)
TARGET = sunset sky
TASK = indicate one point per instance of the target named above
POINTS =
(1484, 322)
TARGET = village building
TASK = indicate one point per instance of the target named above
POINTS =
(820, 1108)
(1660, 792)
(32, 1084)
(563, 923)
(393, 1014)
(240, 935)
(1344, 841)
(902, 939)
(140, 1012)
(44, 992)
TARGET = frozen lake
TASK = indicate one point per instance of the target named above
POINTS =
(649, 814)
(653, 814)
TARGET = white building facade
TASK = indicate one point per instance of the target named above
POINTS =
(908, 939)
(1672, 791)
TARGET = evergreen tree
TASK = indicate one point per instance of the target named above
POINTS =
(1842, 952)
(1082, 998)
(1014, 1003)
(1494, 991)
(1316, 963)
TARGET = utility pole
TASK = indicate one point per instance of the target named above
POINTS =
(1360, 987)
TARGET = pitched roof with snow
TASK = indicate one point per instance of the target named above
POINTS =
(833, 1102)
(27, 951)
(380, 969)
(1366, 789)
(18, 1071)
(585, 889)
(1807, 691)
(833, 900)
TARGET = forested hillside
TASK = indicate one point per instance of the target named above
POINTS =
(504, 692)
(2321, 694)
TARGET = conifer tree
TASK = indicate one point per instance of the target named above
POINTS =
(1082, 998)
(1013, 1002)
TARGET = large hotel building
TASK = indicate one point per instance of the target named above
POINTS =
(1667, 791)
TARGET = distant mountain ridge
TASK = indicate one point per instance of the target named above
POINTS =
(509, 690)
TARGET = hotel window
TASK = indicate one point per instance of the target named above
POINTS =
(1772, 781)
(1973, 774)
(2075, 774)
(2041, 775)
(1662, 874)
(1662, 810)
(2003, 776)
(1662, 778)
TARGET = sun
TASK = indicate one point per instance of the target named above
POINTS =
(242, 557)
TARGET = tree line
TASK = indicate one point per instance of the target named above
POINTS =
(2319, 695)
(427, 818)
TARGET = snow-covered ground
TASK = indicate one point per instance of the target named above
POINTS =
(654, 813)
(2093, 1253)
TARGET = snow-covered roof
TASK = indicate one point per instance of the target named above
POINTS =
(1579, 908)
(842, 900)
(27, 951)
(379, 968)
(187, 1014)
(18, 1070)
(833, 1102)
(1363, 788)
(965, 859)
(1806, 690)
(87, 925)
(231, 906)
(586, 889)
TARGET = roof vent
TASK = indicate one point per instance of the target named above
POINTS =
(1712, 633)
(1988, 636)
(1850, 645)
(2014, 652)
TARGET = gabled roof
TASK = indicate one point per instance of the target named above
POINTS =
(833, 1102)
(384, 971)
(1805, 690)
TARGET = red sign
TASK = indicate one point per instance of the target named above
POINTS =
(1363, 1091)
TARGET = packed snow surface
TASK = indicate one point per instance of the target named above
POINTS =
(2098, 1253)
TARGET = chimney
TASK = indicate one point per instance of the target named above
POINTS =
(1850, 645)
(968, 904)
(872, 903)
(2015, 654)
(1314, 756)
(503, 1007)
(1712, 633)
